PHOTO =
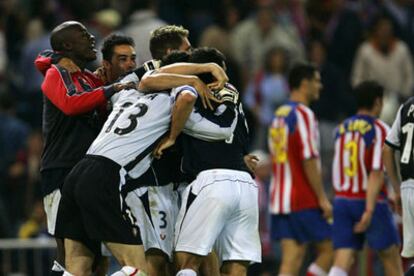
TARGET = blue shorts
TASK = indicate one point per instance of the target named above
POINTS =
(301, 226)
(381, 234)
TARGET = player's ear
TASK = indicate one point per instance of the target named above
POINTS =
(106, 64)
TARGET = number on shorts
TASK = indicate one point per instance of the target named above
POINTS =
(163, 219)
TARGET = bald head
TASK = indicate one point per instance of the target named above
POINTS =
(63, 33)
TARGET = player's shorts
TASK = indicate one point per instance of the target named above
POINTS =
(220, 210)
(302, 226)
(156, 209)
(407, 199)
(52, 182)
(92, 209)
(381, 234)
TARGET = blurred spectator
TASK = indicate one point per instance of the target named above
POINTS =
(141, 22)
(291, 15)
(401, 13)
(35, 226)
(337, 26)
(218, 36)
(254, 36)
(29, 105)
(3, 54)
(13, 135)
(386, 59)
(266, 91)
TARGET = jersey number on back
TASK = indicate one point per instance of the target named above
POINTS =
(407, 152)
(133, 122)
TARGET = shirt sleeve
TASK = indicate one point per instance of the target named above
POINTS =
(380, 134)
(308, 134)
(60, 89)
(218, 126)
(45, 59)
(393, 137)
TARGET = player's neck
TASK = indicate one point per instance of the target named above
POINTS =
(80, 63)
(297, 96)
(366, 112)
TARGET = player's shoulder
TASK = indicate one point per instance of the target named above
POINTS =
(381, 125)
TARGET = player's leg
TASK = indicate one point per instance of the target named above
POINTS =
(210, 265)
(128, 254)
(391, 260)
(324, 258)
(234, 268)
(292, 256)
(79, 259)
(157, 262)
(187, 263)
(344, 259)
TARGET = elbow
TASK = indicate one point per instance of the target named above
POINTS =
(69, 111)
(145, 84)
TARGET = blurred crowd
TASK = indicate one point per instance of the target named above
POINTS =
(348, 40)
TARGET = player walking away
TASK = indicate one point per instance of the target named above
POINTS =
(361, 210)
(222, 196)
(299, 206)
(400, 138)
(71, 115)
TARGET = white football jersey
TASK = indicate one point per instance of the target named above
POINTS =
(133, 128)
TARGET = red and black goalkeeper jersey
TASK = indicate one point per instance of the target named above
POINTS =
(73, 104)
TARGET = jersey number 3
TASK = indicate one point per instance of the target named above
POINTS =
(133, 122)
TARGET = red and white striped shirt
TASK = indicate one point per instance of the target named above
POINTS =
(293, 137)
(358, 151)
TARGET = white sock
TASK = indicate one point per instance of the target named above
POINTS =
(316, 270)
(186, 272)
(57, 267)
(337, 271)
(129, 270)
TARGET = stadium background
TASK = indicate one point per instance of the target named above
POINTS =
(261, 39)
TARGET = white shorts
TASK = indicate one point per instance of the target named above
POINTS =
(51, 205)
(220, 210)
(407, 200)
(155, 209)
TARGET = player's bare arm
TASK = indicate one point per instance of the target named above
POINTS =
(392, 172)
(375, 182)
(162, 81)
(195, 69)
(313, 173)
(181, 111)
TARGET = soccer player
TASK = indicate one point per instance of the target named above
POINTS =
(298, 203)
(220, 205)
(401, 139)
(71, 118)
(361, 210)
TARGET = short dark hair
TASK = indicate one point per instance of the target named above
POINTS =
(174, 57)
(114, 40)
(367, 92)
(300, 72)
(205, 55)
(166, 37)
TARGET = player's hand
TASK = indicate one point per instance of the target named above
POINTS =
(205, 93)
(326, 207)
(251, 161)
(362, 225)
(121, 86)
(164, 144)
(102, 74)
(220, 76)
(68, 64)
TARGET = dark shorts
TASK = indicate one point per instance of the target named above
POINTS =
(52, 179)
(91, 209)
(381, 234)
(302, 226)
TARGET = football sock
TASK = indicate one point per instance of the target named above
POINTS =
(186, 272)
(337, 271)
(315, 270)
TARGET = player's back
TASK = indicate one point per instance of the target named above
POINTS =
(133, 128)
(293, 138)
(358, 151)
